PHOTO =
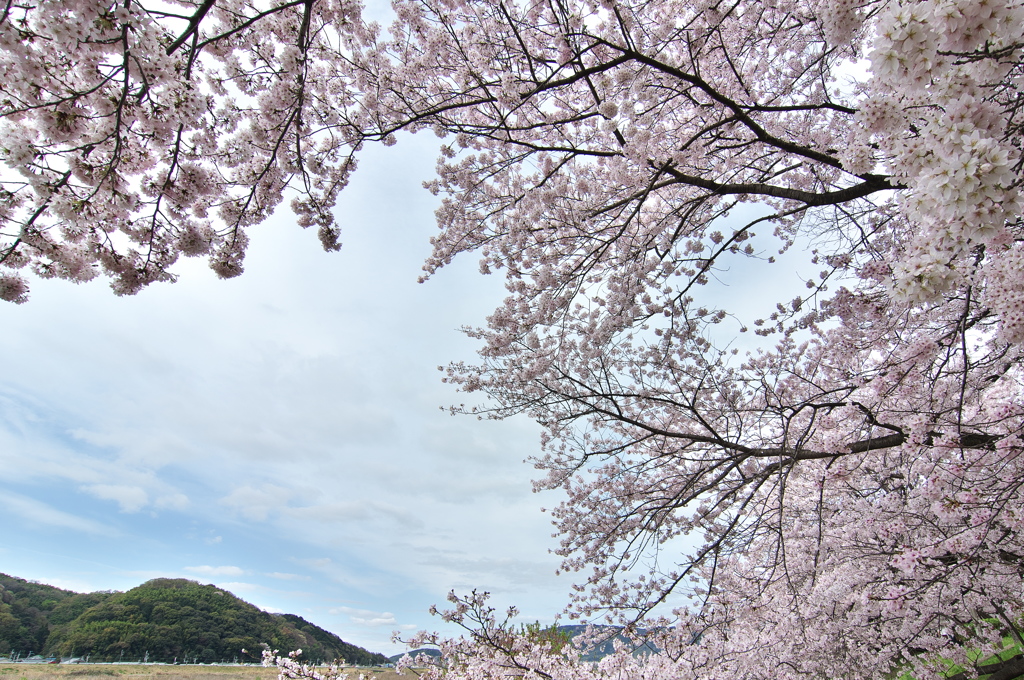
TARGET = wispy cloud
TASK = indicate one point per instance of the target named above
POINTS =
(257, 502)
(366, 617)
(37, 512)
(207, 570)
(129, 498)
(333, 512)
(286, 576)
(172, 501)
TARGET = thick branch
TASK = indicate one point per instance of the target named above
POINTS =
(967, 440)
(875, 443)
(193, 25)
(871, 185)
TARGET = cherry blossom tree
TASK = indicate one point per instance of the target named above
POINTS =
(137, 132)
(854, 488)
(848, 497)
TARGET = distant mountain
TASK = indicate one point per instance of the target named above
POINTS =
(609, 635)
(162, 620)
(416, 652)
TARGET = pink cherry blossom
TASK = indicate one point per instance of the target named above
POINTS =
(848, 497)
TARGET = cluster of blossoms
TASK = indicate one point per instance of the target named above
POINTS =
(841, 20)
(132, 134)
(290, 668)
(1005, 292)
(944, 72)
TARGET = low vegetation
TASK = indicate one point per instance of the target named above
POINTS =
(134, 672)
(22, 671)
(162, 620)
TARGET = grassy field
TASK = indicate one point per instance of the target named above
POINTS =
(20, 671)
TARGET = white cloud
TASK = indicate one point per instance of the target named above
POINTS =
(129, 498)
(315, 562)
(355, 510)
(38, 513)
(366, 617)
(386, 618)
(284, 576)
(207, 570)
(172, 501)
(257, 503)
(242, 587)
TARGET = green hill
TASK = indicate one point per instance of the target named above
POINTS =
(29, 610)
(162, 620)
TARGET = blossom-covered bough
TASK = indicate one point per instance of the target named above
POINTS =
(850, 494)
(137, 132)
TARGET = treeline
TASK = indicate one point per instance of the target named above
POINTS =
(160, 620)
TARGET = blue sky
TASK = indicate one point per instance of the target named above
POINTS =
(278, 434)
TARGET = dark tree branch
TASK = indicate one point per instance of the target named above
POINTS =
(193, 26)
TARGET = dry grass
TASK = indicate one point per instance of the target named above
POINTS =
(20, 671)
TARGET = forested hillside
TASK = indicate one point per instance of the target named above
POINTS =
(28, 611)
(162, 620)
